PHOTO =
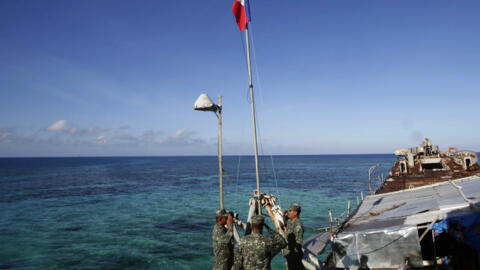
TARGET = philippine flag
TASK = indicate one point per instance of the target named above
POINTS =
(241, 10)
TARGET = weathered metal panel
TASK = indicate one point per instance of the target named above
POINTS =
(316, 243)
(430, 160)
(383, 231)
(428, 201)
(387, 248)
(471, 190)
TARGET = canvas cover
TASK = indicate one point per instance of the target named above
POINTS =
(386, 248)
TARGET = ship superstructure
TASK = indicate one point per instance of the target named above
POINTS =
(426, 165)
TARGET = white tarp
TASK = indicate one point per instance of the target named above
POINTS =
(387, 248)
(383, 232)
(419, 205)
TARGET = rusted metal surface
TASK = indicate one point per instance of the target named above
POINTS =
(430, 166)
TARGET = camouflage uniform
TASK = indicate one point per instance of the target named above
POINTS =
(255, 251)
(222, 245)
(294, 233)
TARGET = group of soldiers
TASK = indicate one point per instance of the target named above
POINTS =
(255, 251)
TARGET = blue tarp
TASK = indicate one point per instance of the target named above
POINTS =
(464, 228)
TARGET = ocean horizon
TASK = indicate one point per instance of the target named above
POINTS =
(157, 212)
(166, 156)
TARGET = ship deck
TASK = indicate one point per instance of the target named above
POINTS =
(385, 230)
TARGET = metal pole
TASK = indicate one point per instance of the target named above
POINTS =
(330, 220)
(253, 117)
(348, 208)
(220, 158)
(370, 177)
(370, 180)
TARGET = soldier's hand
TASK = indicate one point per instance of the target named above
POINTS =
(229, 220)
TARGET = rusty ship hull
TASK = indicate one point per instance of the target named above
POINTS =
(426, 165)
(425, 215)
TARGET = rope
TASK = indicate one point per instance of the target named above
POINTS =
(247, 96)
(263, 102)
(233, 184)
(255, 68)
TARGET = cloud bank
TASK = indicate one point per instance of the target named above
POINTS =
(61, 135)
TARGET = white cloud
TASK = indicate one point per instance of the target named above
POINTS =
(147, 137)
(101, 140)
(65, 126)
(179, 138)
(120, 136)
(183, 137)
(90, 131)
(62, 135)
(179, 133)
(60, 125)
(12, 136)
(77, 135)
(5, 134)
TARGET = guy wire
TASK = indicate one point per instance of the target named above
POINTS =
(263, 102)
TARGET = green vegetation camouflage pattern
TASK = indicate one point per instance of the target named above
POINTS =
(294, 234)
(222, 247)
(255, 251)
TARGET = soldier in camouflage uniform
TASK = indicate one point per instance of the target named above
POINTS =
(223, 241)
(294, 233)
(255, 251)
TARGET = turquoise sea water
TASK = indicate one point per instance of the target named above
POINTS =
(154, 212)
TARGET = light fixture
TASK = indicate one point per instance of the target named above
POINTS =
(205, 103)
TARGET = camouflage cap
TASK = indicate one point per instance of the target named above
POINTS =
(221, 213)
(258, 220)
(295, 207)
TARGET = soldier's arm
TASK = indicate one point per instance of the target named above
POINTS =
(226, 237)
(285, 219)
(298, 231)
(229, 234)
(278, 242)
(238, 259)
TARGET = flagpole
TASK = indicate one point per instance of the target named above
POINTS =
(253, 116)
(220, 154)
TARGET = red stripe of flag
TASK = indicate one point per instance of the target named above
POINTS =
(240, 14)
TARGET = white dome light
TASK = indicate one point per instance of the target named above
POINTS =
(205, 103)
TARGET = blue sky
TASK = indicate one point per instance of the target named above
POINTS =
(87, 78)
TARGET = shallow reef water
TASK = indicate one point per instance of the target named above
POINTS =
(155, 212)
